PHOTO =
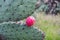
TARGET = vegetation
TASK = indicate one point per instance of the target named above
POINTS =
(50, 24)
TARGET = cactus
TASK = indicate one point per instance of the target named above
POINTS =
(13, 31)
(15, 10)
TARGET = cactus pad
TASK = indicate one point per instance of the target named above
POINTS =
(14, 10)
(13, 31)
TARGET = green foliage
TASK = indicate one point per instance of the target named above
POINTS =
(13, 31)
(50, 25)
(44, 7)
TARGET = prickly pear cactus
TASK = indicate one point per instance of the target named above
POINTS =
(13, 31)
(14, 10)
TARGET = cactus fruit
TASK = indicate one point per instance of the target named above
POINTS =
(30, 21)
(15, 10)
(13, 31)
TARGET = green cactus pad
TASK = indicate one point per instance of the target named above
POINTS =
(14, 10)
(13, 31)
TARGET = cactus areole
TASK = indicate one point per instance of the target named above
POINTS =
(30, 21)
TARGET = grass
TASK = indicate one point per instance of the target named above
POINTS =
(49, 24)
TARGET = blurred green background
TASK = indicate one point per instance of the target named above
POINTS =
(50, 24)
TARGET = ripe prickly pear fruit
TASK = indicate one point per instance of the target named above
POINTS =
(30, 21)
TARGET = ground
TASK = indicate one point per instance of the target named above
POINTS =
(50, 24)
